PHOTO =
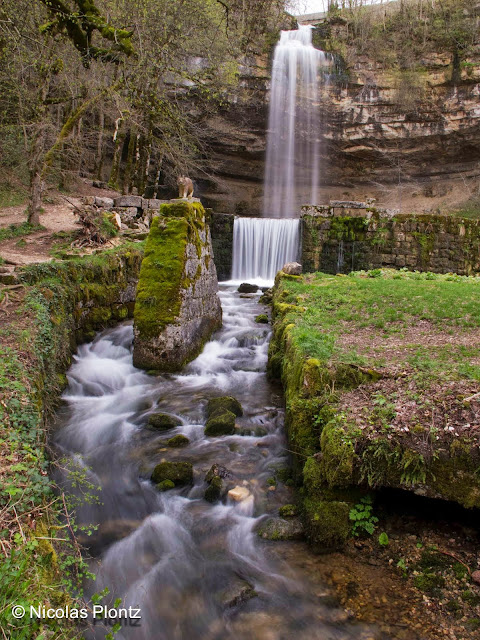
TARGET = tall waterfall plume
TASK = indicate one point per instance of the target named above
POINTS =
(261, 246)
(292, 164)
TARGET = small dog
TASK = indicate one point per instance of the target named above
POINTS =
(185, 187)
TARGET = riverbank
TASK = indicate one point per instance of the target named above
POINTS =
(380, 371)
(49, 309)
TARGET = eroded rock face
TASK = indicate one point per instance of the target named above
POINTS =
(177, 307)
(368, 137)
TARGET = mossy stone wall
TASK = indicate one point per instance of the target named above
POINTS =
(356, 240)
(177, 307)
(221, 227)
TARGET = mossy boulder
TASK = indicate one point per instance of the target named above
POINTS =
(165, 485)
(262, 318)
(288, 511)
(246, 287)
(163, 421)
(214, 491)
(224, 403)
(178, 441)
(180, 473)
(221, 423)
(281, 529)
(327, 523)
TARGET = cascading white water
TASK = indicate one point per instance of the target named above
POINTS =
(261, 246)
(292, 164)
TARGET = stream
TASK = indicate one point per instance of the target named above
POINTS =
(197, 571)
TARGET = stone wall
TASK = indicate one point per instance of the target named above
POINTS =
(221, 228)
(177, 307)
(344, 237)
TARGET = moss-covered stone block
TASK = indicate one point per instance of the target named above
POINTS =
(221, 423)
(327, 523)
(163, 421)
(180, 473)
(177, 307)
(178, 441)
(224, 403)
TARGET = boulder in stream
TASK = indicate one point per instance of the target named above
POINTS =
(180, 473)
(281, 529)
(163, 421)
(224, 403)
(178, 441)
(246, 287)
(221, 423)
(216, 487)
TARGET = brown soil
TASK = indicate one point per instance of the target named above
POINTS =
(59, 216)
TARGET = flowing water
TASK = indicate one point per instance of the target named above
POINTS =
(197, 571)
(293, 147)
(261, 246)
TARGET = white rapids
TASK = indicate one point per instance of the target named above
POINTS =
(261, 246)
(196, 571)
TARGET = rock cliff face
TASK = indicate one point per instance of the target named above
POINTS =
(177, 307)
(408, 139)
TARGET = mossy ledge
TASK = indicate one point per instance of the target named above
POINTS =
(59, 305)
(339, 452)
(177, 307)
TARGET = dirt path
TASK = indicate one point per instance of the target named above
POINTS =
(58, 217)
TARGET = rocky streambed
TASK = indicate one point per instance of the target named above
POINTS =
(187, 493)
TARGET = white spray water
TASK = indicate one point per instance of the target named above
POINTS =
(292, 165)
(261, 246)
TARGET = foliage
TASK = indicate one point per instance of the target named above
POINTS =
(127, 105)
(383, 539)
(364, 522)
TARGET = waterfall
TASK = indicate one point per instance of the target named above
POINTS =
(292, 164)
(261, 246)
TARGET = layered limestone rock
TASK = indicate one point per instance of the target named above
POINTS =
(177, 307)
(408, 138)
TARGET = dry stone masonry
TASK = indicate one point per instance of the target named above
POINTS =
(349, 236)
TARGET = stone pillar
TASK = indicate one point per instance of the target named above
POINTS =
(177, 307)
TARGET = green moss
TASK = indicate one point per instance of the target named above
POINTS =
(262, 318)
(180, 473)
(163, 421)
(220, 423)
(327, 523)
(224, 403)
(158, 293)
(288, 511)
(338, 454)
(348, 228)
(165, 485)
(429, 582)
(214, 490)
(178, 441)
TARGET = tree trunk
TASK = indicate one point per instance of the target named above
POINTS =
(100, 152)
(35, 204)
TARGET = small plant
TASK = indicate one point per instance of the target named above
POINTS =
(383, 539)
(364, 522)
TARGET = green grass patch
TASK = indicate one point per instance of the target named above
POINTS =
(18, 231)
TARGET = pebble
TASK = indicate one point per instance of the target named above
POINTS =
(476, 577)
(239, 494)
